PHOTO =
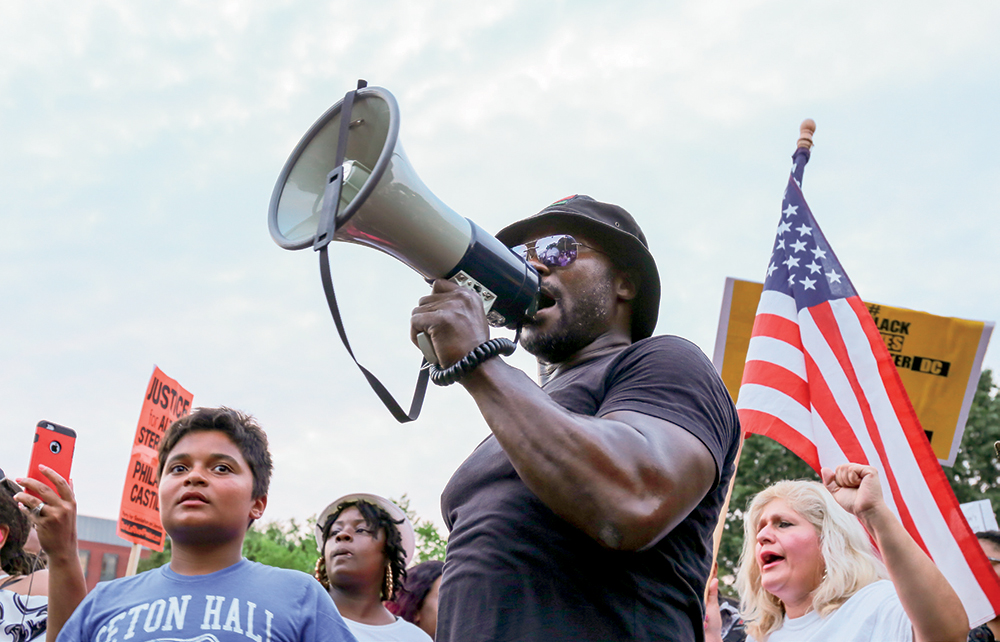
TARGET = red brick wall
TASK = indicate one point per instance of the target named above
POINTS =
(97, 550)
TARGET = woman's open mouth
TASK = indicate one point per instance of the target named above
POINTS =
(767, 559)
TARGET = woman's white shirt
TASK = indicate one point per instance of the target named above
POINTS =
(22, 617)
(873, 613)
(398, 631)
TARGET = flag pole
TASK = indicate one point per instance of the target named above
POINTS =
(806, 131)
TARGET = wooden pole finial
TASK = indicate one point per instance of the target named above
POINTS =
(806, 131)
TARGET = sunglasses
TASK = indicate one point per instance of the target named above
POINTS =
(558, 250)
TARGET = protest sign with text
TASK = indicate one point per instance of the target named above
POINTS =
(139, 518)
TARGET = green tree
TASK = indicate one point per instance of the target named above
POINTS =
(284, 545)
(976, 473)
(156, 559)
(430, 543)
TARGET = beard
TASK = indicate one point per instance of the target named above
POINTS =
(582, 321)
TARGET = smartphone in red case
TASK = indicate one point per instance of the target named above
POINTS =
(53, 447)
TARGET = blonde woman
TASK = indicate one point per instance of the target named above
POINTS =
(808, 571)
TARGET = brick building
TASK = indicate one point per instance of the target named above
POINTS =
(103, 555)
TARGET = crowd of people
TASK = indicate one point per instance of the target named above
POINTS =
(587, 514)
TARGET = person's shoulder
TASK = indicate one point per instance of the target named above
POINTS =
(280, 576)
(33, 584)
(251, 566)
(398, 631)
(129, 583)
(667, 345)
(879, 589)
(669, 354)
(673, 379)
(878, 604)
(299, 587)
(880, 594)
(32, 601)
(670, 343)
(411, 632)
(107, 596)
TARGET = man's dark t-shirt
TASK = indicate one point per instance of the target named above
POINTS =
(515, 571)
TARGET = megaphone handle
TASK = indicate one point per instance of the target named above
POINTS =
(425, 345)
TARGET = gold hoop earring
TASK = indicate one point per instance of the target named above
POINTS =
(388, 585)
(320, 573)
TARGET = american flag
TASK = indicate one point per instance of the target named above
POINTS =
(820, 381)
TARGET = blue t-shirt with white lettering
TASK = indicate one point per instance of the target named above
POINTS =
(247, 602)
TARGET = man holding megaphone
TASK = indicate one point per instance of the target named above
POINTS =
(588, 513)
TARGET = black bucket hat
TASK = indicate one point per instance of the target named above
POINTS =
(618, 235)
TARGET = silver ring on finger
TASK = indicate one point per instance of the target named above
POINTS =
(37, 510)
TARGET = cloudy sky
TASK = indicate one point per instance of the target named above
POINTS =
(140, 143)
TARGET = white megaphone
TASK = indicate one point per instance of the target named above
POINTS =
(384, 205)
(349, 180)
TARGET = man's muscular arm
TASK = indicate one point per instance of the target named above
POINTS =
(625, 479)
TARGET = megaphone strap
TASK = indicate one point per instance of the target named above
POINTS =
(327, 227)
(387, 399)
(471, 361)
(331, 197)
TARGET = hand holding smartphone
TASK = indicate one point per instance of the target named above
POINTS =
(53, 447)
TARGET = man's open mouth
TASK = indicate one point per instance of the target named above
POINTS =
(545, 300)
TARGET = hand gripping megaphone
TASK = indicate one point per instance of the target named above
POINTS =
(349, 180)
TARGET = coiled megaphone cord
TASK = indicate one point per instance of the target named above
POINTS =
(471, 361)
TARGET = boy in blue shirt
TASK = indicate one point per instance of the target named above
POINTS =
(214, 471)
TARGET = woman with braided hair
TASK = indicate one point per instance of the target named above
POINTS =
(35, 604)
(23, 599)
(365, 542)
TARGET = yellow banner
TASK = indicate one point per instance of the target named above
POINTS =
(939, 359)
